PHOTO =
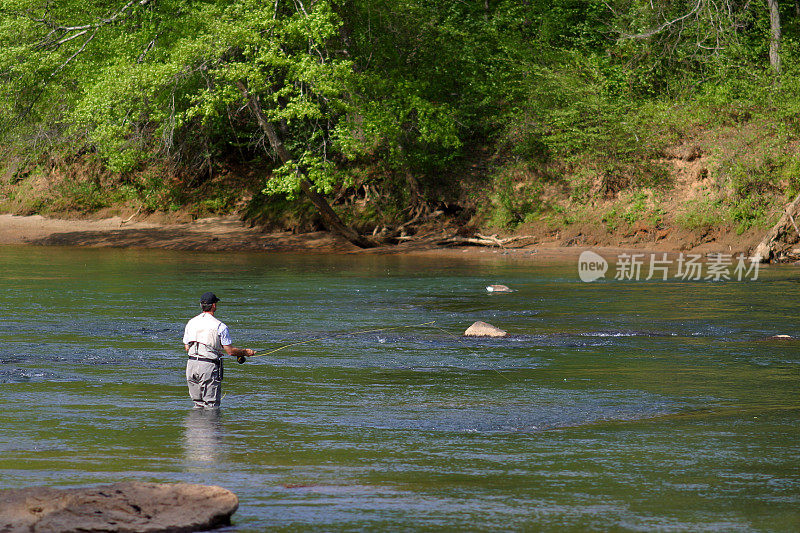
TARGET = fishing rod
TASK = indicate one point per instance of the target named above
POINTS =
(241, 359)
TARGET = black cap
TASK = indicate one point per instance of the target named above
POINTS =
(209, 298)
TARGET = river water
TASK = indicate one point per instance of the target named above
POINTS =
(626, 405)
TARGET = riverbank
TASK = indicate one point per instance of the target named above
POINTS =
(231, 234)
(212, 234)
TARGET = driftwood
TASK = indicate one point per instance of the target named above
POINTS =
(482, 240)
(764, 250)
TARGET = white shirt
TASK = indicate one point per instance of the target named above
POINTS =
(206, 336)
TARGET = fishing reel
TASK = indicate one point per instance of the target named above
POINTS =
(241, 359)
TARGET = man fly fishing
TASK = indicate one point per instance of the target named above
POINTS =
(206, 341)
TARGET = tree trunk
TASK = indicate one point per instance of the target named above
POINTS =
(329, 216)
(763, 251)
(775, 36)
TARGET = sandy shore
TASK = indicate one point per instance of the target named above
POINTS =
(213, 234)
(230, 234)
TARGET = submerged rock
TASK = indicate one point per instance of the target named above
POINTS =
(133, 507)
(498, 288)
(482, 329)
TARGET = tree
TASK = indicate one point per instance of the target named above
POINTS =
(170, 72)
(774, 36)
(700, 35)
(332, 220)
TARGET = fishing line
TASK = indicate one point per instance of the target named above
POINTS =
(431, 324)
(362, 331)
(460, 341)
(341, 335)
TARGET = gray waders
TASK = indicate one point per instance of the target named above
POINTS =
(204, 378)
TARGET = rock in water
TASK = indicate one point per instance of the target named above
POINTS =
(482, 329)
(498, 288)
(133, 507)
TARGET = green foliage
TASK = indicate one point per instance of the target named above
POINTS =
(81, 195)
(157, 193)
(575, 116)
(278, 211)
(702, 214)
(754, 190)
(383, 92)
(286, 179)
(515, 198)
(611, 220)
(750, 211)
(790, 173)
(636, 209)
(656, 216)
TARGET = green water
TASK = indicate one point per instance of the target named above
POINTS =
(613, 406)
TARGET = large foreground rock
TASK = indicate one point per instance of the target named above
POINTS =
(482, 329)
(131, 507)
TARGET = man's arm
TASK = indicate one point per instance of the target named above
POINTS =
(227, 344)
(237, 352)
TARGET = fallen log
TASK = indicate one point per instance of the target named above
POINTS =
(763, 252)
(482, 240)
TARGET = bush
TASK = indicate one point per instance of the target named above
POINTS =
(515, 196)
(702, 214)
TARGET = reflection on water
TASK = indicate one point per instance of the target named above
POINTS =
(202, 438)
